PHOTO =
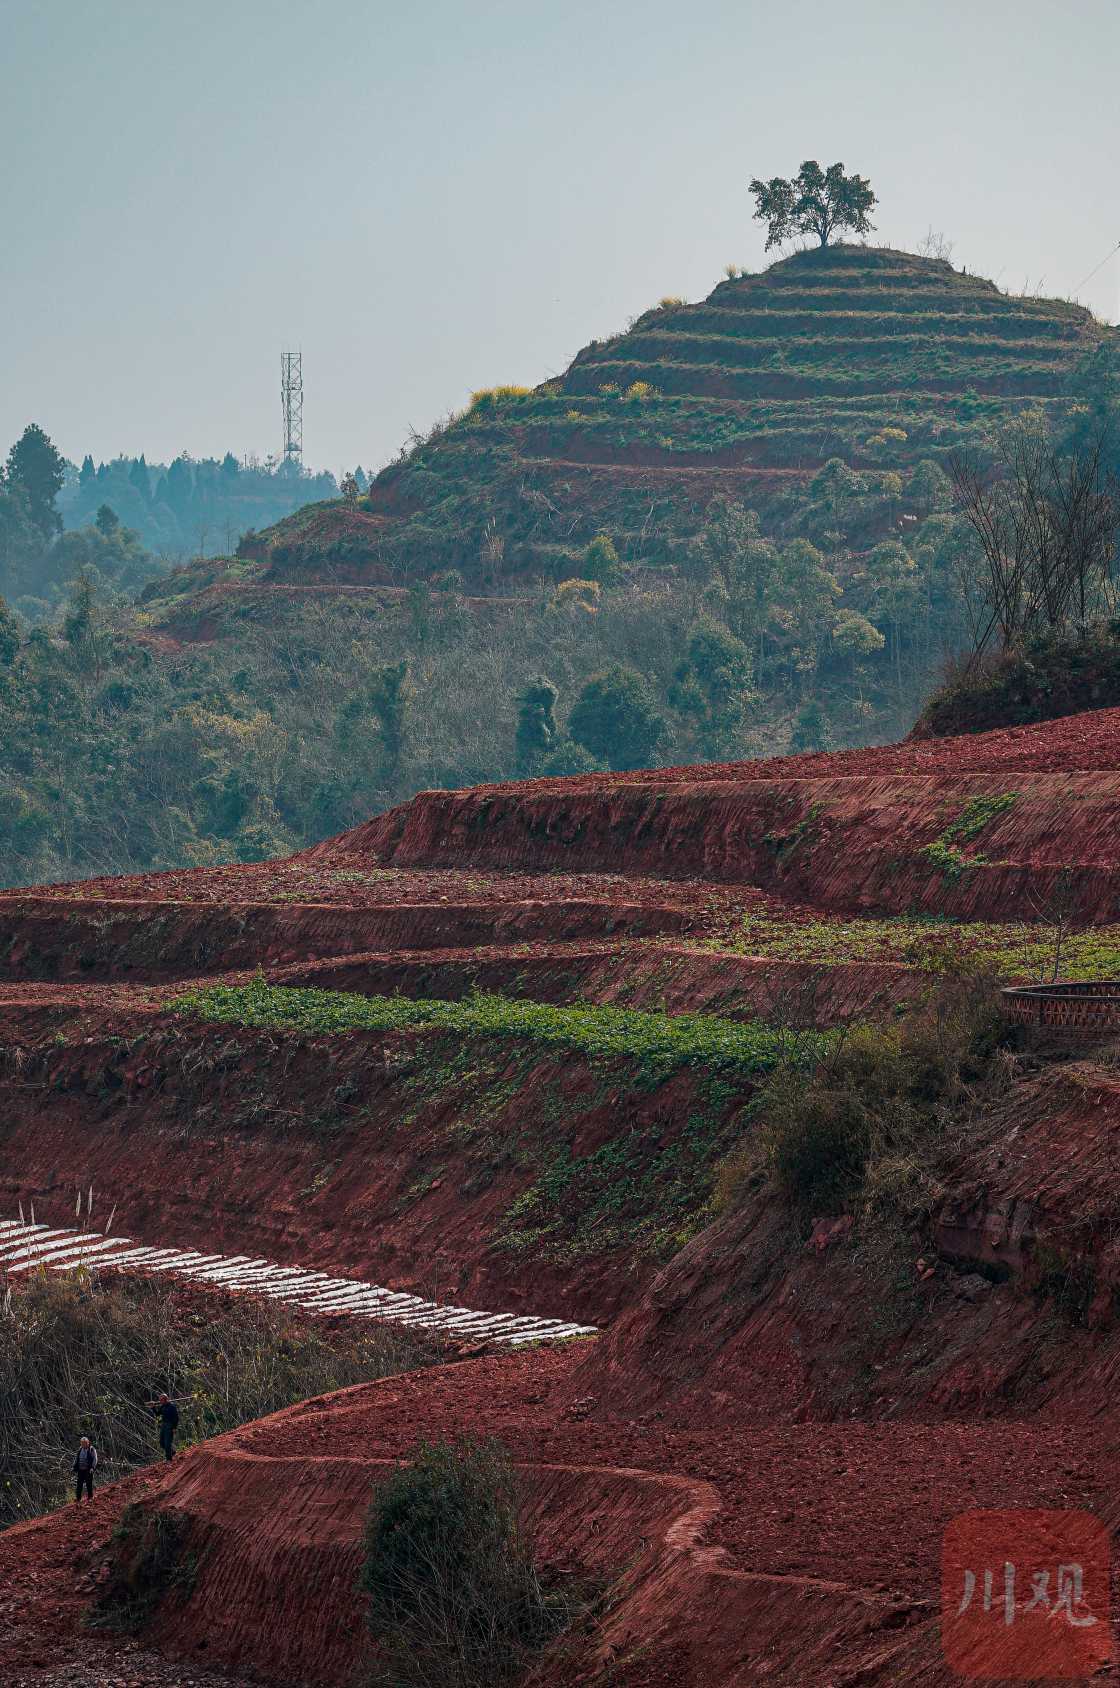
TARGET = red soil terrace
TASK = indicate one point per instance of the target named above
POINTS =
(804, 1553)
(767, 1437)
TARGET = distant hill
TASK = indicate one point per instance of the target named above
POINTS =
(359, 651)
(876, 357)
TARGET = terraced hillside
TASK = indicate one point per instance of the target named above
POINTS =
(513, 1061)
(358, 653)
(874, 356)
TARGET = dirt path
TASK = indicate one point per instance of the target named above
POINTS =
(809, 1553)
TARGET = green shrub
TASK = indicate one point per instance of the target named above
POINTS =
(818, 1147)
(615, 718)
(810, 730)
(865, 1115)
(601, 562)
(453, 1594)
(570, 758)
(31, 830)
(1068, 1282)
(870, 1063)
(151, 1561)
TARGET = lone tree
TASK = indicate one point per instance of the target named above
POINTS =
(35, 465)
(536, 724)
(816, 202)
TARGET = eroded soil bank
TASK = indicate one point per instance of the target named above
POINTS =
(488, 1170)
(734, 1546)
(973, 846)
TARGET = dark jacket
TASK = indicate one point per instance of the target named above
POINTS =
(168, 1415)
(85, 1460)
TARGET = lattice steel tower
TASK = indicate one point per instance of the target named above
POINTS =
(291, 400)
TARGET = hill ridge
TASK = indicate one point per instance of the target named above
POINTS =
(771, 374)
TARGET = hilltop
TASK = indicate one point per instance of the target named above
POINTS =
(877, 357)
(767, 464)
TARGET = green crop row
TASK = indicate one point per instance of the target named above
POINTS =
(659, 1041)
(1018, 952)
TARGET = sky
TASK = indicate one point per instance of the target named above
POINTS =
(429, 198)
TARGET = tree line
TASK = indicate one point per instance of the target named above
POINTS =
(124, 523)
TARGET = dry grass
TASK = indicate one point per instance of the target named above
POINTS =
(79, 1357)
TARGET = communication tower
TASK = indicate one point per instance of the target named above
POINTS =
(291, 401)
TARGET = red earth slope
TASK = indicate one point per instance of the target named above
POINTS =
(767, 1437)
(848, 833)
(735, 1548)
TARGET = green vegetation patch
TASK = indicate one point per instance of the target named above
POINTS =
(977, 813)
(633, 1184)
(658, 1041)
(944, 854)
(1017, 952)
(644, 1189)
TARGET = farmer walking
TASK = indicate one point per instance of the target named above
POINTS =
(85, 1464)
(168, 1415)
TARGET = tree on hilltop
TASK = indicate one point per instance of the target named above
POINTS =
(816, 202)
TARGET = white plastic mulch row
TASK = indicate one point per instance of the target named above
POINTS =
(25, 1247)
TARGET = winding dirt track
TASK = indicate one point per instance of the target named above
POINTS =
(736, 1563)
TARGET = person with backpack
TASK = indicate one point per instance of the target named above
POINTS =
(168, 1415)
(85, 1464)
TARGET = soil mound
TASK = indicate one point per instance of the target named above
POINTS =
(1052, 680)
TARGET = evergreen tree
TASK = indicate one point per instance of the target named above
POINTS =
(36, 466)
(536, 725)
(616, 718)
(138, 477)
(180, 482)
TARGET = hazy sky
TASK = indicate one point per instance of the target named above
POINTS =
(429, 197)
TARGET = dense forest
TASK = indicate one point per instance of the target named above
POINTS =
(125, 522)
(188, 507)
